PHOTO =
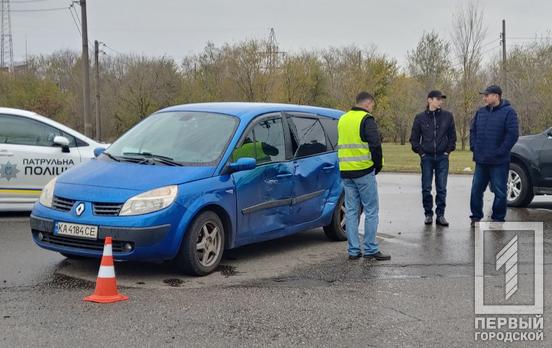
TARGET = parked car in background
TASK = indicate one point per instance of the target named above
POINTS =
(193, 180)
(530, 169)
(33, 150)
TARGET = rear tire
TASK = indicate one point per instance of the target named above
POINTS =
(202, 246)
(336, 230)
(520, 191)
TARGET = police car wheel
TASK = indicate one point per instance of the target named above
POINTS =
(203, 245)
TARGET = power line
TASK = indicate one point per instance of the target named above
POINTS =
(495, 41)
(41, 10)
(491, 49)
(111, 49)
(26, 1)
(75, 20)
(531, 38)
(74, 10)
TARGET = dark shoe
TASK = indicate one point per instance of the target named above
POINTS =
(474, 221)
(428, 220)
(441, 221)
(379, 256)
(355, 257)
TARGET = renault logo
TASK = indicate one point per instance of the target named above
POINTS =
(80, 209)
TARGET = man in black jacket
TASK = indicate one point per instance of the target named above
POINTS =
(434, 138)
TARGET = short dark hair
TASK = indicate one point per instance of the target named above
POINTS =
(364, 96)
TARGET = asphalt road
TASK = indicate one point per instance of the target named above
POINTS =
(299, 290)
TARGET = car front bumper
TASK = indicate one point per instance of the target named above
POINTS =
(150, 243)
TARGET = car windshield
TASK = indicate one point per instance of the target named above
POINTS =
(176, 138)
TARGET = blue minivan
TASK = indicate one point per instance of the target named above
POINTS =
(190, 181)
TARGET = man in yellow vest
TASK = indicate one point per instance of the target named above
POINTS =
(360, 160)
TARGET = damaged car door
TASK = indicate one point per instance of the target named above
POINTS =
(316, 167)
(263, 193)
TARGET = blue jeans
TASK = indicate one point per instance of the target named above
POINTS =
(497, 175)
(438, 164)
(363, 190)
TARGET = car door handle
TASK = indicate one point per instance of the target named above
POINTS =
(5, 153)
(284, 175)
(328, 167)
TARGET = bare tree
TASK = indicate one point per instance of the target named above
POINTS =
(407, 101)
(467, 41)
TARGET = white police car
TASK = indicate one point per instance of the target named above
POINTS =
(33, 150)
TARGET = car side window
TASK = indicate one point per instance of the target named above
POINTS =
(330, 126)
(21, 131)
(265, 142)
(309, 137)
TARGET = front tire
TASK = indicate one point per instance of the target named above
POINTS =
(203, 245)
(520, 191)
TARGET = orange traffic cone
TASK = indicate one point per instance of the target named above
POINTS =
(106, 284)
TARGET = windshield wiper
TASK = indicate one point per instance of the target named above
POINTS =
(149, 156)
(111, 156)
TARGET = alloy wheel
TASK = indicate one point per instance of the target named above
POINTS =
(514, 186)
(209, 244)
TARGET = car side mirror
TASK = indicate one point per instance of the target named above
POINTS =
(98, 151)
(63, 142)
(244, 163)
(549, 133)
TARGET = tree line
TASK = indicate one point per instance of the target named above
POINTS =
(134, 86)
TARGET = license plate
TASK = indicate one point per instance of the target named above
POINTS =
(76, 230)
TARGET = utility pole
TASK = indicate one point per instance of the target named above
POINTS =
(86, 71)
(503, 41)
(97, 78)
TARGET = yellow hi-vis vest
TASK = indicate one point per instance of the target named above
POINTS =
(352, 152)
(253, 150)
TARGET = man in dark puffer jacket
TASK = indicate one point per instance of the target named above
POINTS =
(493, 133)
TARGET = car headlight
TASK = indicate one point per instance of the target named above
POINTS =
(47, 195)
(150, 201)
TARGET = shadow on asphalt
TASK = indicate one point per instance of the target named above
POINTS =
(227, 268)
(11, 214)
(541, 205)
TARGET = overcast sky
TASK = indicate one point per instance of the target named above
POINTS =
(180, 27)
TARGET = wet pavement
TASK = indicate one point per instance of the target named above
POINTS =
(298, 290)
